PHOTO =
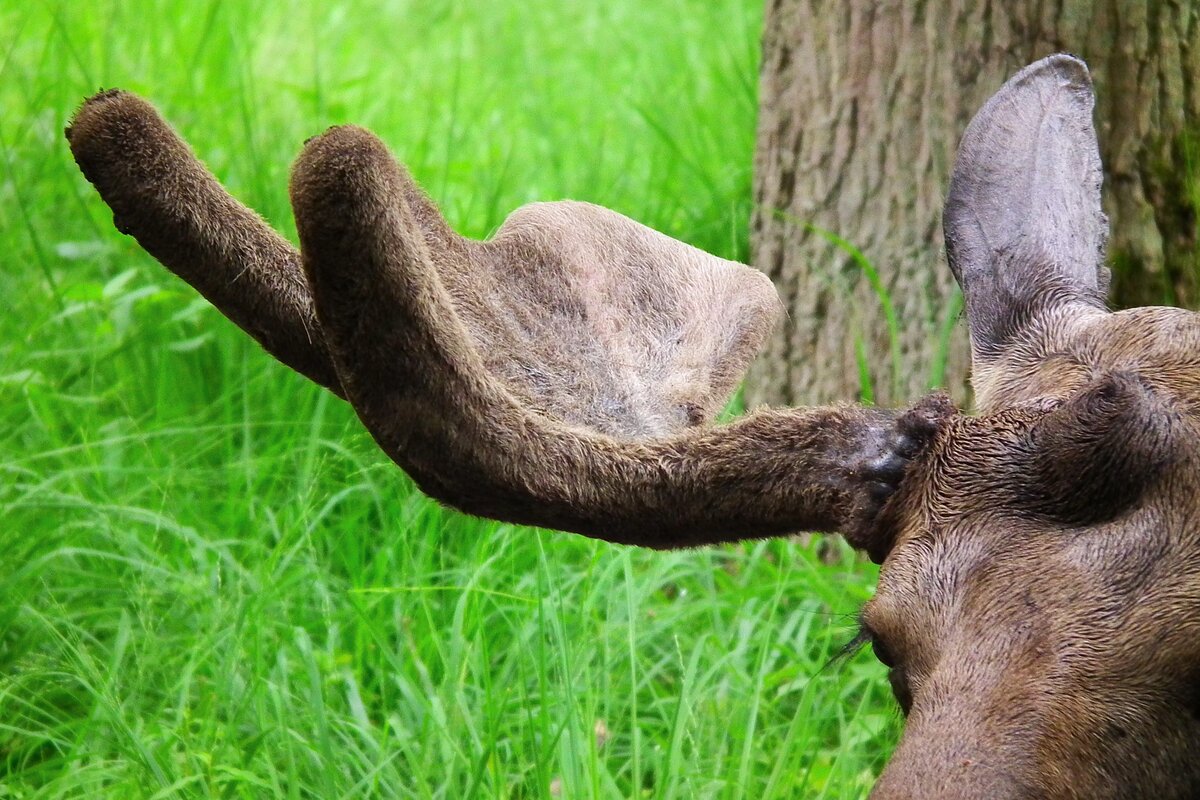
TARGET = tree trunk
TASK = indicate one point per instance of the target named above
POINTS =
(862, 106)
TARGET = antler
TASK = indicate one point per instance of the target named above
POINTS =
(162, 196)
(558, 374)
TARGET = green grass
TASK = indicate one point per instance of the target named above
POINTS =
(214, 585)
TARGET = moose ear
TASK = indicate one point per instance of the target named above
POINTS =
(1024, 231)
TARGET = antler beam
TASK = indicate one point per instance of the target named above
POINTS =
(560, 374)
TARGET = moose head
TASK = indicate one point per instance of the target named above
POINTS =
(1039, 599)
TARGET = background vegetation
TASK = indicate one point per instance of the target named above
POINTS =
(214, 585)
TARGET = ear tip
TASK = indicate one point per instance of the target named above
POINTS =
(1062, 68)
(1036, 89)
(762, 291)
(1056, 86)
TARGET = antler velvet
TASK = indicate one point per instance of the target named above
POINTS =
(559, 374)
(162, 196)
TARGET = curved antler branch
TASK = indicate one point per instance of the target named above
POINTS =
(421, 387)
(560, 374)
(164, 197)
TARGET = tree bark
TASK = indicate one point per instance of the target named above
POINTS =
(862, 106)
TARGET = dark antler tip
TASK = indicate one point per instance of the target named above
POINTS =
(344, 141)
(106, 110)
(340, 151)
(348, 134)
(341, 177)
(106, 94)
(101, 99)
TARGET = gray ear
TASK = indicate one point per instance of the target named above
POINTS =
(1024, 231)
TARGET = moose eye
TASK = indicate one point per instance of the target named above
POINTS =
(901, 689)
(897, 674)
(882, 652)
(868, 635)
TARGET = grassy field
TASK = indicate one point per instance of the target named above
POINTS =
(214, 585)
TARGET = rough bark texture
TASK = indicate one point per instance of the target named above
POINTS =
(862, 106)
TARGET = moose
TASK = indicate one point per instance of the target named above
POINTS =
(1039, 597)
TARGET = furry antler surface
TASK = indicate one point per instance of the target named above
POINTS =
(562, 373)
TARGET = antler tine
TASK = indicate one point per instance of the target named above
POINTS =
(420, 386)
(165, 198)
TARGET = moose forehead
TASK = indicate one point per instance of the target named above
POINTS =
(1012, 512)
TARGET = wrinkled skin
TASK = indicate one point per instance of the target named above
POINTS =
(1039, 597)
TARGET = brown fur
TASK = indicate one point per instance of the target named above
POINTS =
(1040, 604)
(560, 374)
(162, 196)
(1039, 593)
